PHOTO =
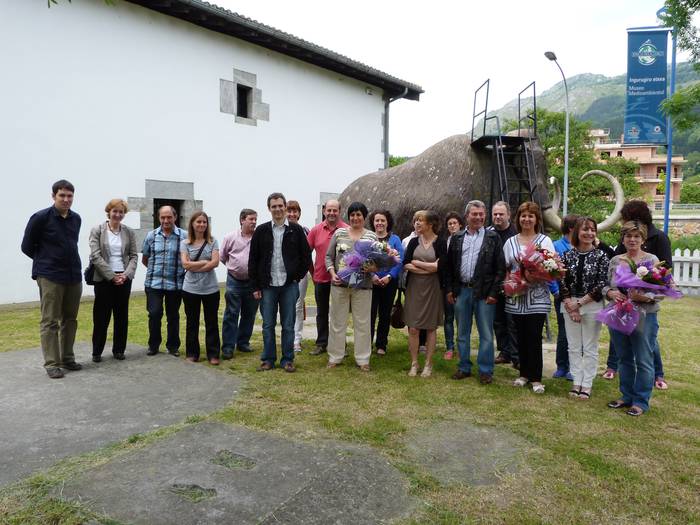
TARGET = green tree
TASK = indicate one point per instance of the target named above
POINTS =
(690, 193)
(396, 161)
(683, 105)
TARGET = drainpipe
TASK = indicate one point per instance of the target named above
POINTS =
(388, 101)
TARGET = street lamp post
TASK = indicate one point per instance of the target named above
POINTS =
(551, 56)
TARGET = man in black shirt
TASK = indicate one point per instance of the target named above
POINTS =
(503, 323)
(51, 241)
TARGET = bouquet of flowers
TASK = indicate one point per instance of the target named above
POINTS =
(536, 265)
(649, 276)
(366, 257)
(624, 316)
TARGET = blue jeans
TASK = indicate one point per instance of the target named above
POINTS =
(285, 298)
(449, 326)
(653, 342)
(562, 355)
(239, 302)
(465, 308)
(636, 362)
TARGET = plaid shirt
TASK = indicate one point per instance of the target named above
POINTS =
(165, 271)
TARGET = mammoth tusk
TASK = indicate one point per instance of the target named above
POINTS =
(614, 217)
(556, 197)
(551, 219)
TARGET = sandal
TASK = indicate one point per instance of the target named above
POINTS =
(574, 393)
(584, 396)
(661, 384)
(427, 371)
(381, 351)
(413, 372)
(521, 381)
(331, 365)
(609, 374)
(634, 411)
(619, 403)
(538, 388)
(363, 368)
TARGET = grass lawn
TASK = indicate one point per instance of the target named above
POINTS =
(584, 462)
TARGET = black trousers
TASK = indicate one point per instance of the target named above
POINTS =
(110, 299)
(529, 328)
(382, 301)
(193, 306)
(154, 306)
(506, 333)
(322, 293)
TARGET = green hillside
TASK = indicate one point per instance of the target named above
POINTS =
(596, 98)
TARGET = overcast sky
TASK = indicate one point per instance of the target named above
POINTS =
(450, 47)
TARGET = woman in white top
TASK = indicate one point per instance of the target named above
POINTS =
(530, 309)
(113, 254)
(200, 289)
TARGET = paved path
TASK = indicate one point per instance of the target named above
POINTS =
(211, 473)
(44, 420)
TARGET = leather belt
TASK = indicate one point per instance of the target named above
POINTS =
(469, 284)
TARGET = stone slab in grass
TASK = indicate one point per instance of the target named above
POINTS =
(44, 420)
(216, 473)
(459, 452)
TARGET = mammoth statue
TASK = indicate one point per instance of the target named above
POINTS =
(445, 177)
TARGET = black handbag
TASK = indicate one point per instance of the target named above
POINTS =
(396, 319)
(89, 274)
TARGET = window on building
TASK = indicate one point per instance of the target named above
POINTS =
(675, 171)
(619, 153)
(244, 98)
(158, 203)
(660, 170)
(604, 154)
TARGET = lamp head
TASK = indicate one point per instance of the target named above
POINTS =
(550, 55)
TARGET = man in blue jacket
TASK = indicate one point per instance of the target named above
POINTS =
(51, 241)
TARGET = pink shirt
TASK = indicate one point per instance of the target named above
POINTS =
(319, 238)
(234, 252)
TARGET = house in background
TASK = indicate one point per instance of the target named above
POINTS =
(175, 102)
(652, 165)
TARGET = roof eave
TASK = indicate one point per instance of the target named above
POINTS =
(220, 20)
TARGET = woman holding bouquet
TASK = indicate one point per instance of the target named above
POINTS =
(635, 350)
(529, 309)
(581, 291)
(384, 282)
(344, 298)
(424, 300)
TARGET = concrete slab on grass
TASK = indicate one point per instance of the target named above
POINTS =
(457, 452)
(45, 420)
(216, 473)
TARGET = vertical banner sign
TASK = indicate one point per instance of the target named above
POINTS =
(645, 123)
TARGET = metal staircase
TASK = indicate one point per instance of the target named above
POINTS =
(513, 168)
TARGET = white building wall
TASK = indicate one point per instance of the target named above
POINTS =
(109, 96)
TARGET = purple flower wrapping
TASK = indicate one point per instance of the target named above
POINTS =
(363, 255)
(621, 316)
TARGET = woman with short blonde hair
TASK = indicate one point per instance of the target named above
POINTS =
(114, 255)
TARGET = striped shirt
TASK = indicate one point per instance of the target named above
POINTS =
(471, 246)
(278, 273)
(537, 298)
(165, 272)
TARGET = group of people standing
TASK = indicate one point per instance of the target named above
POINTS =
(445, 278)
